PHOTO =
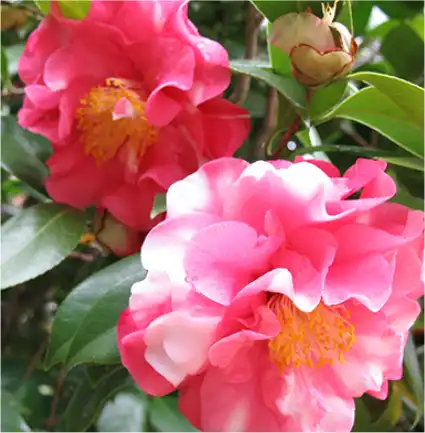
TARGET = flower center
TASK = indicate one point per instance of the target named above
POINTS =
(113, 116)
(312, 339)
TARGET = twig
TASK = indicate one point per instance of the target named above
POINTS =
(374, 136)
(34, 359)
(293, 128)
(269, 124)
(351, 132)
(51, 421)
(252, 22)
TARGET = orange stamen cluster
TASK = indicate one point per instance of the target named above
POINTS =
(102, 135)
(311, 339)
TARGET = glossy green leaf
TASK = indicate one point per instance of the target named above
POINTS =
(4, 67)
(127, 412)
(84, 329)
(280, 61)
(358, 13)
(404, 197)
(287, 86)
(418, 24)
(164, 416)
(36, 240)
(11, 420)
(325, 98)
(13, 54)
(75, 9)
(375, 415)
(273, 9)
(404, 49)
(401, 9)
(159, 205)
(97, 373)
(348, 7)
(408, 96)
(403, 161)
(19, 159)
(413, 376)
(43, 5)
(374, 109)
(39, 146)
(86, 402)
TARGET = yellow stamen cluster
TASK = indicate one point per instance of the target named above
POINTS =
(311, 339)
(102, 135)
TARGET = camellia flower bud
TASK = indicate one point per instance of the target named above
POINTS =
(320, 49)
(115, 236)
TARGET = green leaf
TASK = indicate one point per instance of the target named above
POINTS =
(374, 109)
(347, 6)
(378, 415)
(403, 161)
(19, 159)
(404, 197)
(13, 54)
(33, 143)
(404, 49)
(86, 402)
(84, 329)
(159, 205)
(401, 9)
(287, 86)
(357, 12)
(325, 98)
(418, 25)
(36, 240)
(43, 5)
(280, 61)
(127, 412)
(4, 67)
(96, 373)
(74, 9)
(406, 95)
(164, 416)
(11, 420)
(413, 376)
(273, 9)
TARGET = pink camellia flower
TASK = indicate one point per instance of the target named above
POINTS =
(273, 297)
(131, 99)
(320, 49)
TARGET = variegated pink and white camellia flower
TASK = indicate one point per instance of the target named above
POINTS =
(320, 49)
(131, 99)
(273, 296)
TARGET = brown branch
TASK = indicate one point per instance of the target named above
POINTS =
(252, 22)
(34, 359)
(51, 421)
(350, 130)
(269, 124)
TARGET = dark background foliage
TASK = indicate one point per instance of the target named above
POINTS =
(80, 386)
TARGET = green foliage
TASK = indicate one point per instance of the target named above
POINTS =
(164, 416)
(36, 240)
(286, 85)
(43, 5)
(84, 327)
(74, 9)
(60, 365)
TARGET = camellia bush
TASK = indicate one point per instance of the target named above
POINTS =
(212, 215)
